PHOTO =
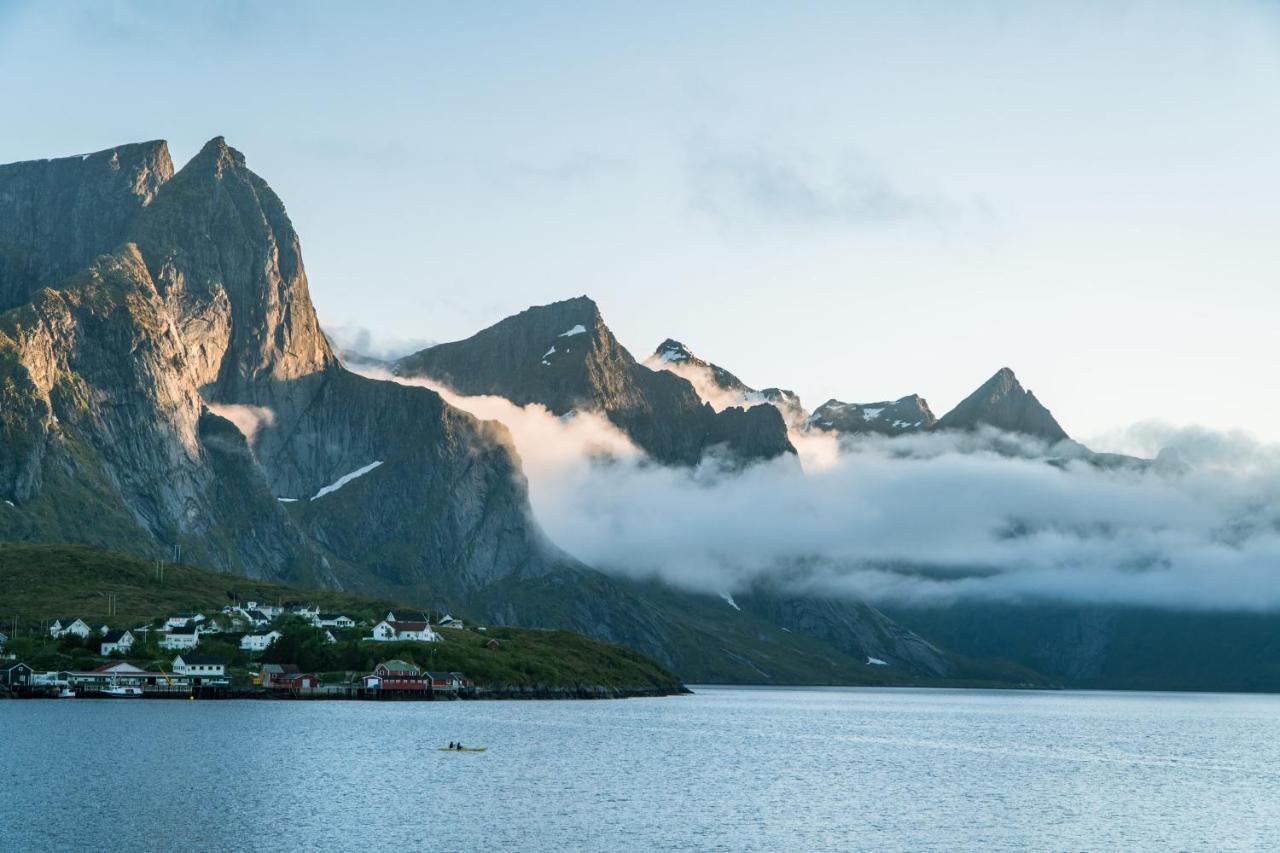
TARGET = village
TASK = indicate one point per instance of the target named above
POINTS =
(244, 650)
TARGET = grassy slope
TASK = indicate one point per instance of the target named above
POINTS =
(40, 582)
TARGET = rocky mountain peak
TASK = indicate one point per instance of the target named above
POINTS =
(563, 356)
(226, 259)
(673, 350)
(1003, 403)
(887, 417)
(60, 214)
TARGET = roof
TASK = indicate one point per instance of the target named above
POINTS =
(397, 665)
(280, 668)
(68, 620)
(115, 636)
(119, 667)
(442, 676)
(295, 676)
(186, 629)
(332, 616)
(408, 615)
(202, 660)
(410, 626)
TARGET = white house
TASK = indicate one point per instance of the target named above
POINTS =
(449, 622)
(213, 626)
(68, 625)
(329, 639)
(4, 638)
(258, 642)
(335, 620)
(116, 641)
(182, 620)
(181, 638)
(201, 666)
(421, 632)
(310, 612)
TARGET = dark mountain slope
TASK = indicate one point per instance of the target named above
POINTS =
(564, 356)
(720, 386)
(1003, 403)
(1124, 648)
(890, 417)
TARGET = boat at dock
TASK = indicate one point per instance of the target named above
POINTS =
(66, 693)
(122, 692)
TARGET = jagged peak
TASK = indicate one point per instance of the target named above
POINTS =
(672, 350)
(1003, 402)
(216, 155)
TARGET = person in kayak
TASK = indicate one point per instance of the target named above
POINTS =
(451, 744)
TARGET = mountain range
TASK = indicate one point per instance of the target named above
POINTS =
(166, 389)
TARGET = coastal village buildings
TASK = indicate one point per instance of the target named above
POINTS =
(15, 676)
(273, 672)
(69, 625)
(388, 631)
(192, 673)
(116, 642)
(259, 642)
(395, 675)
(186, 637)
(200, 666)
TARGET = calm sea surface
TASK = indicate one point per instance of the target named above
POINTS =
(726, 769)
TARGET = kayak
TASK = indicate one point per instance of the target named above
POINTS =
(464, 749)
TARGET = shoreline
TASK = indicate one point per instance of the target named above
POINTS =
(508, 693)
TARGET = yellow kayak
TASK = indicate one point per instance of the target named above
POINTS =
(464, 749)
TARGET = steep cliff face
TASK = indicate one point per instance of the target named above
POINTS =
(108, 381)
(564, 356)
(60, 214)
(1003, 403)
(228, 264)
(112, 444)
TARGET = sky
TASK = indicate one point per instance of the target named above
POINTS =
(852, 200)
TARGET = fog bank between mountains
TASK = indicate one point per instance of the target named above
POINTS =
(924, 518)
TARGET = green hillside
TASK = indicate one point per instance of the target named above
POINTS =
(42, 582)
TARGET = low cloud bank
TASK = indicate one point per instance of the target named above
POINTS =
(248, 419)
(918, 519)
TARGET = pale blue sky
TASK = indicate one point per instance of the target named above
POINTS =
(852, 200)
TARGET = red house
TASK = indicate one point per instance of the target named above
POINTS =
(296, 681)
(396, 675)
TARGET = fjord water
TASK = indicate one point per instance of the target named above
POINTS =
(726, 769)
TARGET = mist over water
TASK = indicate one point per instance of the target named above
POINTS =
(921, 518)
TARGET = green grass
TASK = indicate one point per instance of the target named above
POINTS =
(42, 582)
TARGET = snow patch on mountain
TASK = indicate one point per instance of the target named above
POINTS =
(344, 479)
